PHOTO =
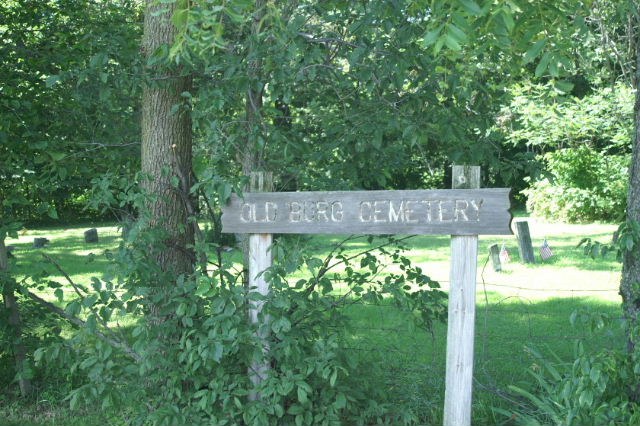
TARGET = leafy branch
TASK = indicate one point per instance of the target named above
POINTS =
(115, 339)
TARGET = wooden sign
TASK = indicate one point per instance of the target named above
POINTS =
(448, 211)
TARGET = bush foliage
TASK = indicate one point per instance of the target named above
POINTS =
(583, 185)
(582, 145)
(595, 389)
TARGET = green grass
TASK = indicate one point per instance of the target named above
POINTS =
(412, 361)
(525, 305)
(40, 411)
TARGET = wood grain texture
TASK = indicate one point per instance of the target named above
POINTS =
(258, 259)
(453, 212)
(461, 315)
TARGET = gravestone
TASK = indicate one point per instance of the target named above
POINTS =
(91, 235)
(524, 242)
(39, 242)
(463, 212)
(494, 253)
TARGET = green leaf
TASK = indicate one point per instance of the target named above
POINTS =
(51, 211)
(457, 34)
(431, 37)
(508, 20)
(73, 404)
(218, 350)
(554, 69)
(471, 7)
(224, 192)
(452, 43)
(341, 401)
(180, 18)
(302, 395)
(57, 156)
(92, 323)
(281, 325)
(332, 379)
(51, 80)
(438, 46)
(586, 398)
(543, 64)
(535, 50)
(175, 182)
(59, 294)
(295, 409)
(563, 86)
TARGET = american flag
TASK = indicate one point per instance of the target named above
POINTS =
(504, 255)
(545, 250)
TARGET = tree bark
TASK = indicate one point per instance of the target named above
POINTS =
(630, 283)
(252, 159)
(15, 321)
(166, 143)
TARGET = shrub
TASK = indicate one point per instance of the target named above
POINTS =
(191, 366)
(583, 185)
(595, 389)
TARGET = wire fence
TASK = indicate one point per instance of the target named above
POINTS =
(513, 317)
(513, 322)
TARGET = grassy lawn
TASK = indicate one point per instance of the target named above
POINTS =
(523, 306)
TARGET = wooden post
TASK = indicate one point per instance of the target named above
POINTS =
(462, 312)
(494, 253)
(524, 242)
(259, 259)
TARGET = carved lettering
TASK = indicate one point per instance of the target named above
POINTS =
(455, 212)
(245, 213)
(271, 211)
(396, 215)
(365, 211)
(461, 211)
(336, 211)
(378, 212)
(295, 211)
(445, 214)
(408, 211)
(429, 208)
(321, 211)
(309, 212)
(476, 205)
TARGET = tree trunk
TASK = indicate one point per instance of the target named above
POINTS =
(15, 322)
(252, 158)
(630, 283)
(166, 143)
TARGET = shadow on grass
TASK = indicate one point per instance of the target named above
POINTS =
(70, 252)
(411, 361)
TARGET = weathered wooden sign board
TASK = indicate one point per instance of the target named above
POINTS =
(448, 211)
(464, 213)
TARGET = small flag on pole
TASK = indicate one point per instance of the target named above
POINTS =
(545, 250)
(504, 255)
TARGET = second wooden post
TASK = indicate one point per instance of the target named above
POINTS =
(259, 259)
(462, 314)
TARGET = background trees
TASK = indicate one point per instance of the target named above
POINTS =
(326, 95)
